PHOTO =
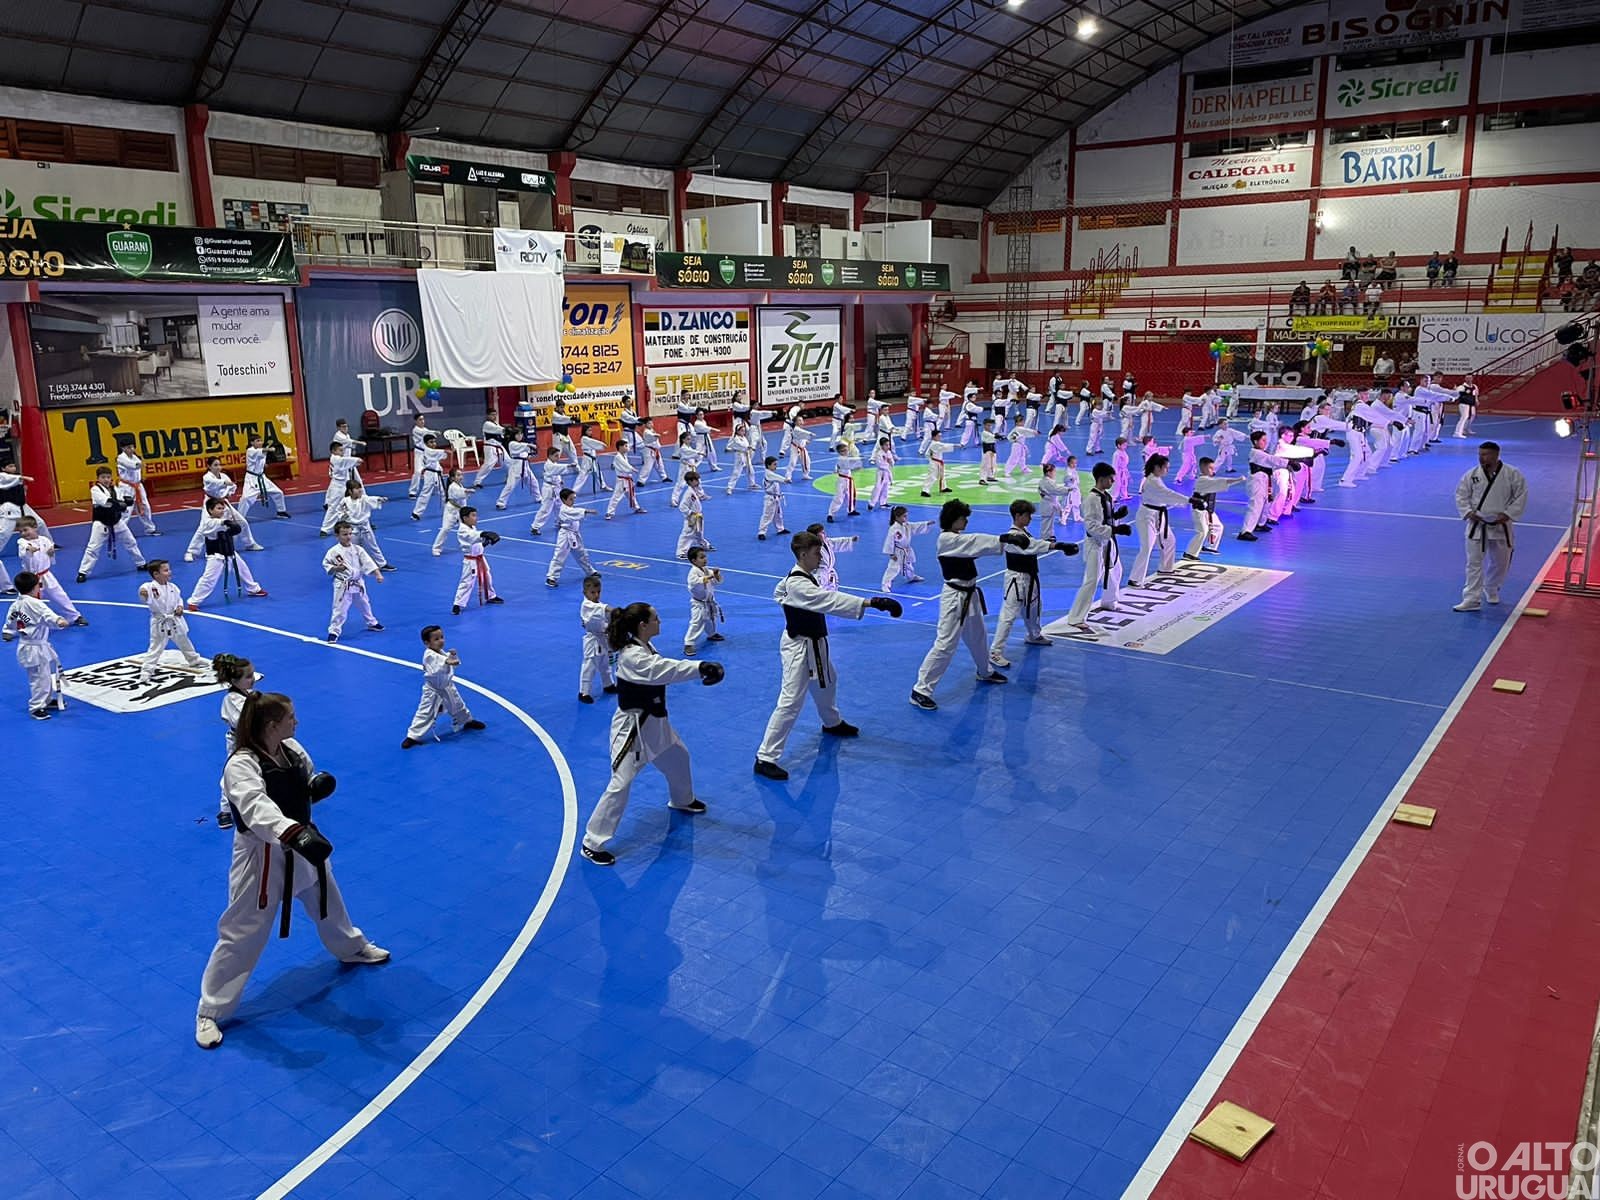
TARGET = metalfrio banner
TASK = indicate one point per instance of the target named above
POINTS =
(362, 350)
(799, 354)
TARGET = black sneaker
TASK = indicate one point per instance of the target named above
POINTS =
(715, 637)
(923, 701)
(376, 627)
(610, 689)
(283, 516)
(333, 637)
(387, 567)
(82, 578)
(455, 610)
(993, 677)
(407, 743)
(1248, 537)
(39, 714)
(694, 808)
(768, 770)
(760, 537)
(585, 699)
(843, 730)
(474, 724)
(600, 858)
(84, 621)
(494, 600)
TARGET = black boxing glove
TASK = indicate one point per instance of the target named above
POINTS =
(322, 785)
(307, 841)
(1015, 537)
(1297, 465)
(1197, 501)
(1068, 548)
(1336, 442)
(886, 604)
(711, 673)
(1120, 513)
(491, 538)
(1122, 530)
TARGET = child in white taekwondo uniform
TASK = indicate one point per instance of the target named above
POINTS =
(902, 562)
(494, 451)
(934, 482)
(556, 466)
(1491, 499)
(742, 450)
(1102, 556)
(215, 485)
(771, 500)
(36, 553)
(705, 441)
(1208, 485)
(167, 623)
(439, 694)
(689, 457)
(1128, 414)
(130, 470)
(705, 614)
(828, 569)
(238, 676)
(961, 603)
(988, 449)
(685, 412)
(217, 533)
(593, 614)
(641, 731)
(341, 436)
(258, 489)
(1227, 440)
(650, 454)
(799, 452)
(589, 452)
(627, 476)
(279, 855)
(841, 419)
(433, 477)
(475, 573)
(971, 418)
(569, 539)
(1190, 441)
(845, 465)
(1103, 412)
(456, 496)
(1148, 408)
(883, 460)
(1085, 403)
(343, 469)
(1119, 465)
(1358, 421)
(930, 430)
(29, 621)
(1262, 465)
(1018, 437)
(356, 509)
(1056, 450)
(519, 468)
(349, 565)
(420, 433)
(1023, 596)
(807, 664)
(694, 519)
(1063, 501)
(1156, 501)
(109, 504)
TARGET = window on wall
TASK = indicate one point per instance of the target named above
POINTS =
(1263, 74)
(616, 197)
(1546, 39)
(1135, 217)
(53, 141)
(943, 228)
(1393, 129)
(1400, 56)
(1540, 118)
(289, 164)
(1240, 144)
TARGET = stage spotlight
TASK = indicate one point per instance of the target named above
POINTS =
(1569, 333)
(1563, 428)
(1577, 355)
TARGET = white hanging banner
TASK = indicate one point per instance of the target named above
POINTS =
(491, 329)
(532, 250)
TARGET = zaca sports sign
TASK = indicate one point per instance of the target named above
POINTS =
(800, 353)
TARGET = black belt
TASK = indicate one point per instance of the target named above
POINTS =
(967, 594)
(1025, 588)
(1166, 526)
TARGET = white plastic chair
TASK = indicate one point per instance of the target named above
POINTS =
(461, 445)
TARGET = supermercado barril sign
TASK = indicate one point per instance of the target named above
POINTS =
(799, 354)
(720, 271)
(85, 252)
(1403, 160)
(1285, 170)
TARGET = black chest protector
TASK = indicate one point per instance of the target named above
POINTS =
(648, 699)
(959, 570)
(12, 491)
(221, 542)
(803, 622)
(1023, 564)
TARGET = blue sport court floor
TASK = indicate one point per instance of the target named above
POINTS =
(985, 951)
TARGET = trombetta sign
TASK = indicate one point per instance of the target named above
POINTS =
(717, 271)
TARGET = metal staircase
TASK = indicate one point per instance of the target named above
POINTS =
(1518, 279)
(1018, 298)
(1096, 288)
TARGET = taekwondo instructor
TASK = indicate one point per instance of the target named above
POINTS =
(1490, 498)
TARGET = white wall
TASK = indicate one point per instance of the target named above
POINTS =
(1574, 207)
(235, 127)
(909, 241)
(720, 185)
(1238, 233)
(493, 155)
(34, 105)
(1419, 223)
(1153, 242)
(321, 200)
(961, 254)
(1148, 110)
(623, 175)
(1555, 149)
(1123, 174)
(1568, 71)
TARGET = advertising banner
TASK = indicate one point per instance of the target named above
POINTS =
(1312, 326)
(1401, 160)
(529, 250)
(1459, 342)
(596, 342)
(146, 346)
(800, 355)
(1284, 170)
(476, 174)
(81, 252)
(362, 350)
(594, 227)
(1271, 102)
(712, 384)
(1401, 88)
(1163, 616)
(689, 335)
(1299, 330)
(720, 271)
(173, 438)
(620, 255)
(79, 192)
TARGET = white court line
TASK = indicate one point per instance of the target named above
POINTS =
(413, 1070)
(1193, 1107)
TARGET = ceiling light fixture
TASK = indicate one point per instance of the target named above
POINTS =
(1088, 27)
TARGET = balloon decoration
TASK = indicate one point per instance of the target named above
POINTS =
(427, 389)
(1319, 347)
(566, 384)
(1218, 349)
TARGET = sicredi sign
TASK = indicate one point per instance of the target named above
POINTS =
(1271, 103)
(1396, 89)
(74, 192)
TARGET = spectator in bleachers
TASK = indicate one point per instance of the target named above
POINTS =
(1300, 300)
(1388, 268)
(1564, 265)
(1382, 369)
(1374, 301)
(1369, 269)
(1435, 265)
(1327, 300)
(1349, 299)
(1591, 275)
(1351, 266)
(1408, 365)
(1568, 294)
(1451, 266)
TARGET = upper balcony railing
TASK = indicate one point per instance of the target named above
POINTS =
(358, 242)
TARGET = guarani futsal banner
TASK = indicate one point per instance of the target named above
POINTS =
(799, 355)
(704, 351)
(173, 438)
(718, 271)
(87, 252)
